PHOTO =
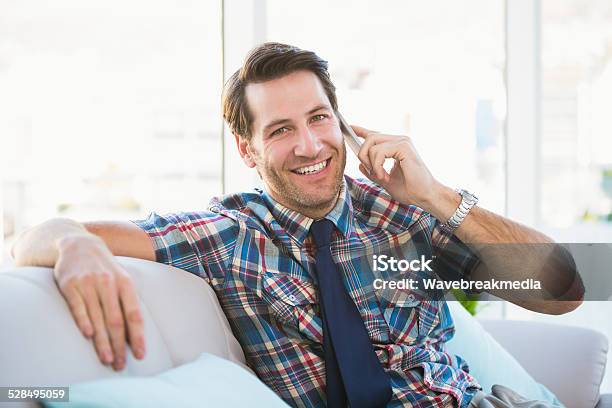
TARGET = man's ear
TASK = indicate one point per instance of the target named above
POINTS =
(244, 150)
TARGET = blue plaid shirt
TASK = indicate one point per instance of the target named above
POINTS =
(259, 258)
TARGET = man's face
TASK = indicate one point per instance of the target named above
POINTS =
(296, 144)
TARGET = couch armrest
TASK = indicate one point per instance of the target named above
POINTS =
(570, 361)
(41, 345)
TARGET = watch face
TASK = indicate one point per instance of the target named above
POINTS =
(469, 196)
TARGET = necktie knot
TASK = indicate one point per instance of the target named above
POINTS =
(321, 231)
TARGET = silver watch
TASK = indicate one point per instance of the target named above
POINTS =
(468, 200)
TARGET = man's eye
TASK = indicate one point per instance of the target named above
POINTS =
(279, 131)
(317, 118)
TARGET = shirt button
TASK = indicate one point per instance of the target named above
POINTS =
(411, 297)
(292, 298)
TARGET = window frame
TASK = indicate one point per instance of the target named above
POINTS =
(523, 111)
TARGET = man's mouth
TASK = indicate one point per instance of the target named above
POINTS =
(313, 169)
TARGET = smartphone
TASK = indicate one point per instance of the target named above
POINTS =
(352, 140)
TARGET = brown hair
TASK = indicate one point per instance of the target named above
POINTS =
(264, 63)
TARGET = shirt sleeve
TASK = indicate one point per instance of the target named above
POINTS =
(454, 260)
(199, 242)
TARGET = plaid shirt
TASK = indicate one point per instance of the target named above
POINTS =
(259, 258)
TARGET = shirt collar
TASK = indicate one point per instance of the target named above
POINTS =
(297, 225)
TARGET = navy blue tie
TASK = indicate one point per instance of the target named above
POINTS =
(353, 371)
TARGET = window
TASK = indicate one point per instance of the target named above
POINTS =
(575, 162)
(576, 146)
(110, 109)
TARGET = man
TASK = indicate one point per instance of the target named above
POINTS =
(288, 264)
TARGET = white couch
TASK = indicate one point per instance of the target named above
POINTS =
(41, 345)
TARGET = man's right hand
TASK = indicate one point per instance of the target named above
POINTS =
(101, 297)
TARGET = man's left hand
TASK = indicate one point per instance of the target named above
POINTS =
(409, 181)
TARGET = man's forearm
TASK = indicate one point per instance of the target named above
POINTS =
(482, 226)
(38, 245)
(511, 251)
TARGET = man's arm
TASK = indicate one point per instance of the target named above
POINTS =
(38, 246)
(507, 250)
(512, 251)
(100, 294)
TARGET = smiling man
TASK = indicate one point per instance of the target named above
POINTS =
(287, 263)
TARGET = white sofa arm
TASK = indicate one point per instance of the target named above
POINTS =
(570, 361)
(41, 345)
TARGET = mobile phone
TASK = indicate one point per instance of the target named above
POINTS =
(352, 140)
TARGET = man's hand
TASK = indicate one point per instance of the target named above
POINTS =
(409, 180)
(101, 297)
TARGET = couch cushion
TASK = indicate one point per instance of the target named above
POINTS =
(571, 361)
(489, 362)
(208, 381)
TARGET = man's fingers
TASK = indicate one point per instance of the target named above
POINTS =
(364, 152)
(133, 316)
(362, 132)
(78, 309)
(366, 172)
(101, 339)
(377, 155)
(372, 139)
(115, 324)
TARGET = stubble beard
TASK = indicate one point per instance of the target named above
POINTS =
(292, 197)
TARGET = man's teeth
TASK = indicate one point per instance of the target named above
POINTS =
(312, 169)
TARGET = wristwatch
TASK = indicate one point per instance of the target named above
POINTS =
(468, 200)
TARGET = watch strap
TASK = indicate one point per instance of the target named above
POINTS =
(468, 200)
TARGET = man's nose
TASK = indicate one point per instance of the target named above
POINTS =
(308, 144)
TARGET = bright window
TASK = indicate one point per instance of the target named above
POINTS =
(576, 140)
(110, 109)
(576, 164)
